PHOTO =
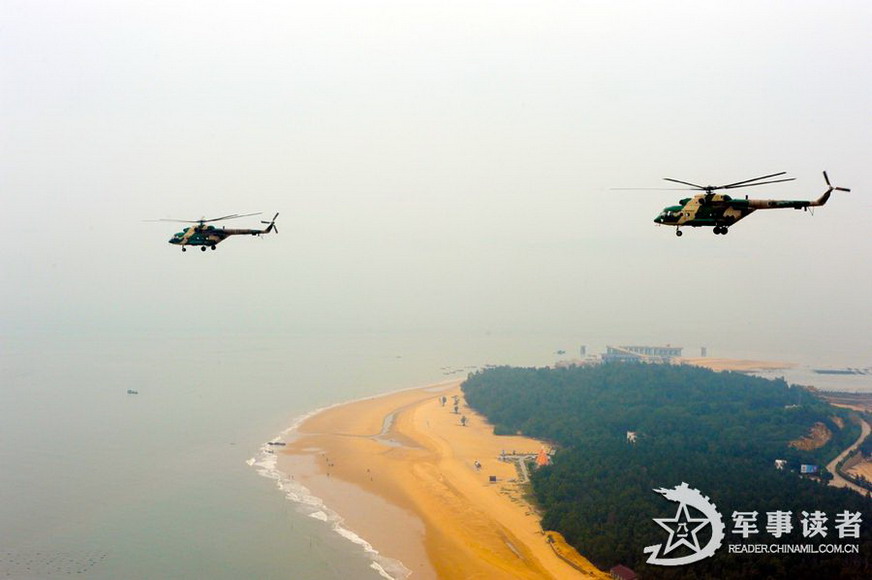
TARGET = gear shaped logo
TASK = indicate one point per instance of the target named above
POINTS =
(685, 529)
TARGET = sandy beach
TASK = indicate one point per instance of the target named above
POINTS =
(740, 365)
(401, 470)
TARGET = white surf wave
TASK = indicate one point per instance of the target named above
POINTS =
(265, 463)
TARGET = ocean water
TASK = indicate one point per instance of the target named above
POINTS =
(168, 483)
(176, 481)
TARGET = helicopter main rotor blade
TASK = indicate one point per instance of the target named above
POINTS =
(686, 183)
(204, 220)
(755, 179)
(743, 183)
(650, 189)
(228, 217)
(225, 217)
(734, 186)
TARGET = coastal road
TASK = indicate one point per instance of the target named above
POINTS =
(838, 480)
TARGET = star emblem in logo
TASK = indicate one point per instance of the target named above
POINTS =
(682, 529)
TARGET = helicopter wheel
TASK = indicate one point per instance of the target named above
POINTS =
(184, 249)
(678, 232)
(724, 230)
(213, 247)
(202, 248)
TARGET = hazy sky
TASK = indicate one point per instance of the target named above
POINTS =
(437, 165)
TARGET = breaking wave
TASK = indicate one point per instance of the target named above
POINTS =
(265, 462)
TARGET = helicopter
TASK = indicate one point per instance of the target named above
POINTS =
(721, 211)
(209, 236)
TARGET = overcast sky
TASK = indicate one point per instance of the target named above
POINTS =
(437, 165)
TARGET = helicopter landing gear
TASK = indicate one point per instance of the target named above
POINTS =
(678, 232)
(202, 248)
(212, 246)
(721, 230)
(184, 249)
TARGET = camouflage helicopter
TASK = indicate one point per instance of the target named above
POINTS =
(721, 211)
(203, 235)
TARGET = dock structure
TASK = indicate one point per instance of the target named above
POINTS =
(539, 458)
(650, 354)
(520, 460)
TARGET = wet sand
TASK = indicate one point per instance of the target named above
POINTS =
(400, 469)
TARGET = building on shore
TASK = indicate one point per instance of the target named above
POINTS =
(649, 354)
(542, 458)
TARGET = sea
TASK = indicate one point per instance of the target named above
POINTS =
(145, 455)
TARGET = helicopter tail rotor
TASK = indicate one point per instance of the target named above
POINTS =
(826, 196)
(272, 225)
(830, 185)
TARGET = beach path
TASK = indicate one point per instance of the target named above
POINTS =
(401, 470)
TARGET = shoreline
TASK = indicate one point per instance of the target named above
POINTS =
(266, 460)
(399, 470)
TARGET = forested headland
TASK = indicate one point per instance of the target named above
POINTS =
(719, 432)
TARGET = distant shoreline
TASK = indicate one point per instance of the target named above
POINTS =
(738, 365)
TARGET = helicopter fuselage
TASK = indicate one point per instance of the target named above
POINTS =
(207, 236)
(706, 210)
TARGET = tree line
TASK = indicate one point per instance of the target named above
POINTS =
(719, 432)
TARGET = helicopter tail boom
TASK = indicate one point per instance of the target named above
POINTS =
(797, 204)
